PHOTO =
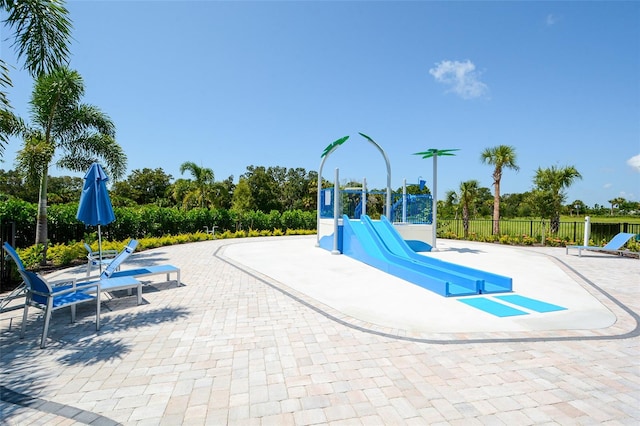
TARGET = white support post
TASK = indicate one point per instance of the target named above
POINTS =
(364, 196)
(434, 200)
(404, 201)
(336, 201)
(587, 230)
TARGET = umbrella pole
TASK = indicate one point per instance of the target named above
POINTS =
(100, 249)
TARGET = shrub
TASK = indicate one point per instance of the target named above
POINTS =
(62, 254)
(31, 256)
(450, 235)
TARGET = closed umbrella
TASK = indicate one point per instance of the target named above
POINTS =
(95, 205)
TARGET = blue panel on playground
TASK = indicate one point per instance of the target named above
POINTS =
(532, 304)
(326, 242)
(492, 307)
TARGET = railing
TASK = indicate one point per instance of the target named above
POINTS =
(536, 229)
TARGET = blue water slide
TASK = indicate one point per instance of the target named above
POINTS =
(362, 243)
(490, 282)
(390, 237)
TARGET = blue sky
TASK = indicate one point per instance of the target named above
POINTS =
(233, 84)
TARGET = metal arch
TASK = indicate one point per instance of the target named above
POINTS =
(388, 164)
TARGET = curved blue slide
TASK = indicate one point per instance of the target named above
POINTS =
(491, 283)
(363, 244)
(382, 247)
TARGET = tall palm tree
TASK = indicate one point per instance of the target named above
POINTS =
(467, 197)
(78, 134)
(549, 194)
(500, 156)
(204, 180)
(42, 31)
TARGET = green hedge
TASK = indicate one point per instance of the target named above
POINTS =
(144, 222)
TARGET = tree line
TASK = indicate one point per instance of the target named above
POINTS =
(265, 189)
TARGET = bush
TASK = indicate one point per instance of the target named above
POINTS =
(147, 221)
(31, 256)
(62, 255)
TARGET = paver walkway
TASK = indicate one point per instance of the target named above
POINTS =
(237, 345)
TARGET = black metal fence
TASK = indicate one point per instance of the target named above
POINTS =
(537, 229)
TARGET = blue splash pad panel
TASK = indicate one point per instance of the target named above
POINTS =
(492, 307)
(532, 304)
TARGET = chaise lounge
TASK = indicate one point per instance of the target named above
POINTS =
(50, 296)
(97, 258)
(613, 246)
(113, 269)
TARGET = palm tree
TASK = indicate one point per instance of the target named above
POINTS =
(41, 35)
(451, 200)
(616, 203)
(549, 196)
(579, 206)
(204, 181)
(467, 197)
(60, 124)
(500, 156)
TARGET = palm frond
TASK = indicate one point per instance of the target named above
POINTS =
(333, 146)
(42, 30)
(431, 152)
(90, 147)
(5, 81)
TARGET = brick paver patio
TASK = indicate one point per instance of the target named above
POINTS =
(234, 346)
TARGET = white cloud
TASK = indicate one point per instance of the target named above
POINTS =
(627, 195)
(607, 185)
(634, 162)
(462, 77)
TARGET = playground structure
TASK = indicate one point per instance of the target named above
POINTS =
(381, 244)
(378, 243)
(411, 214)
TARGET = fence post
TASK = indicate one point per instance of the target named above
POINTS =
(543, 238)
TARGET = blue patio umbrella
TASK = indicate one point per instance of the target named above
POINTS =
(95, 205)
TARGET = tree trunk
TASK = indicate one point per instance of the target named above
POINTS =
(465, 221)
(555, 224)
(496, 208)
(41, 223)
